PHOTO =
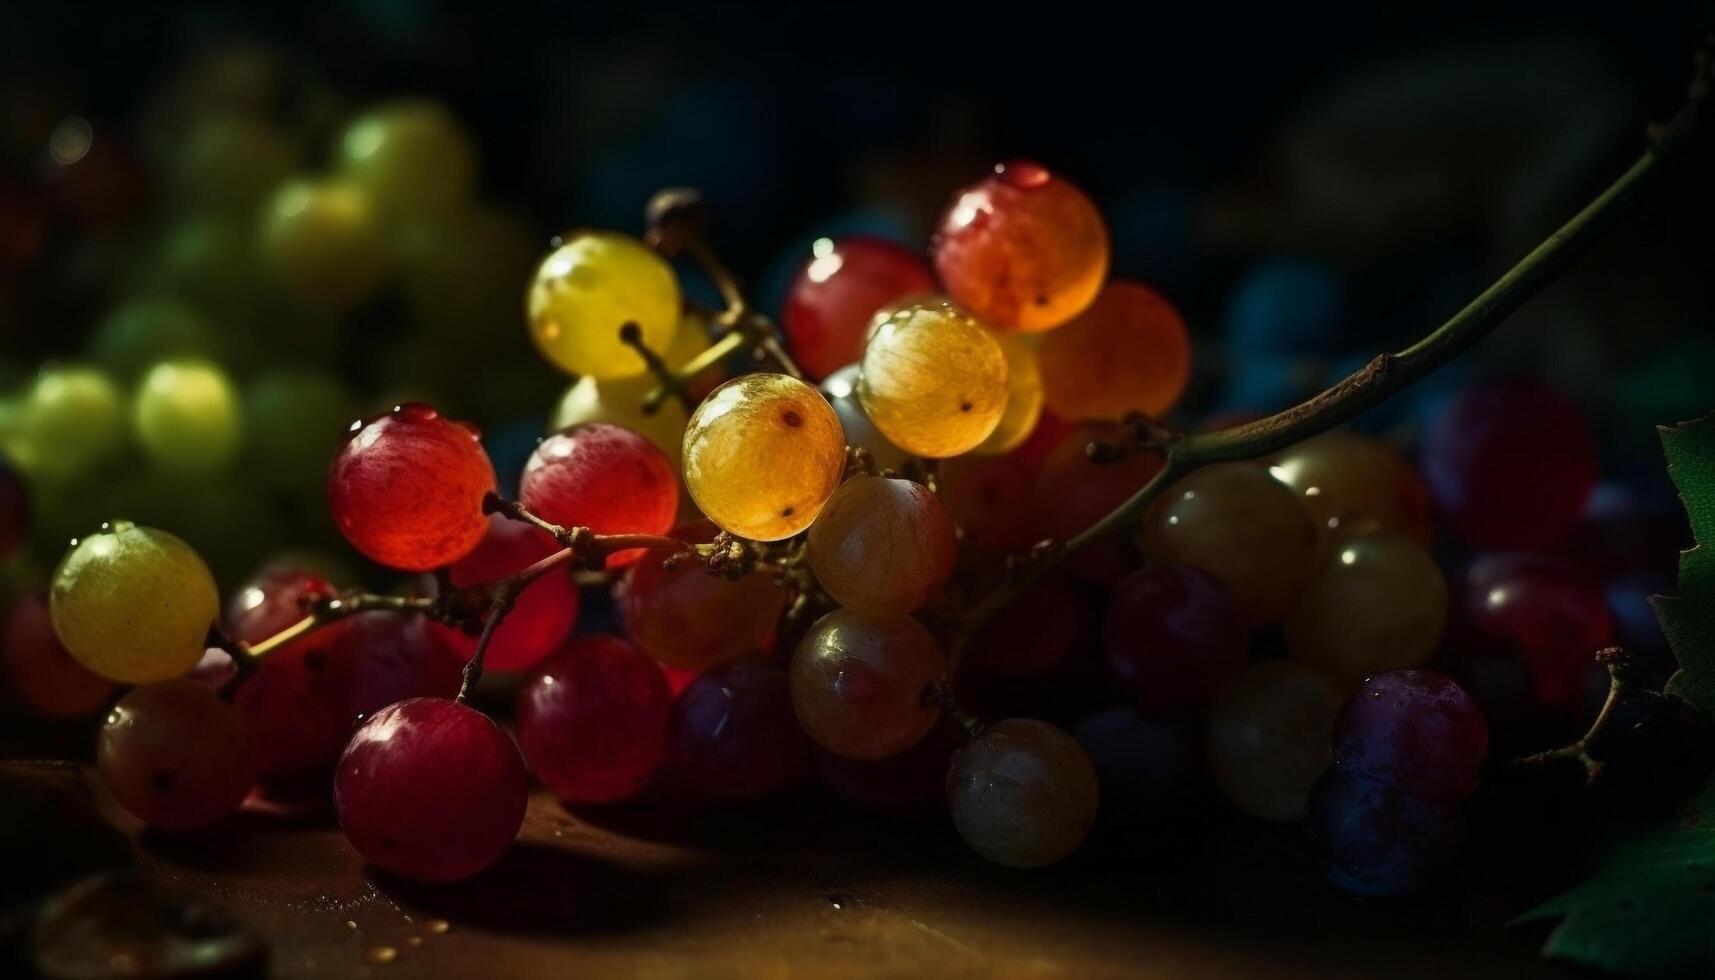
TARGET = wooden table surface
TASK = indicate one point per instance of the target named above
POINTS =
(804, 888)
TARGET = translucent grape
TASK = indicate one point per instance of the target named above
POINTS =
(133, 604)
(1380, 604)
(933, 380)
(604, 477)
(176, 755)
(594, 719)
(1174, 635)
(1269, 737)
(1542, 613)
(1022, 793)
(882, 545)
(734, 734)
(687, 618)
(141, 331)
(1022, 248)
(407, 489)
(187, 417)
(545, 611)
(39, 673)
(762, 455)
(73, 420)
(846, 280)
(861, 684)
(1023, 398)
(590, 287)
(1239, 524)
(1416, 731)
(431, 790)
(229, 163)
(293, 422)
(411, 157)
(324, 242)
(1353, 484)
(1510, 464)
(1071, 492)
(1378, 842)
(1128, 352)
(840, 388)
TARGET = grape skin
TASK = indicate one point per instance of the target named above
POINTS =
(176, 755)
(882, 545)
(1268, 737)
(187, 417)
(1416, 731)
(763, 453)
(1380, 604)
(590, 287)
(933, 380)
(1128, 352)
(1023, 793)
(860, 683)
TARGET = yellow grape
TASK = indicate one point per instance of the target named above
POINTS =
(323, 240)
(1269, 737)
(619, 401)
(133, 604)
(882, 545)
(933, 380)
(1241, 525)
(1023, 397)
(762, 455)
(1353, 484)
(591, 286)
(1379, 605)
(187, 417)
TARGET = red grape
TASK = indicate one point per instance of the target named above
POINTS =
(988, 498)
(1032, 634)
(1543, 612)
(1510, 465)
(1072, 492)
(407, 489)
(685, 617)
(1376, 841)
(594, 718)
(545, 611)
(176, 755)
(604, 477)
(39, 673)
(846, 280)
(1175, 635)
(431, 790)
(277, 597)
(735, 736)
(1416, 731)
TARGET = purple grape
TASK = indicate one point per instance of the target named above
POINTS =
(735, 734)
(1415, 731)
(1377, 842)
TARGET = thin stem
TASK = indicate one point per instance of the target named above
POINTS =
(715, 353)
(632, 336)
(724, 280)
(505, 592)
(1618, 686)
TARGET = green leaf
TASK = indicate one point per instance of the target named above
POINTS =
(1688, 620)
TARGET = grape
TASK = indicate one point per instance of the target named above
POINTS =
(72, 421)
(734, 734)
(229, 163)
(1242, 526)
(1023, 248)
(431, 790)
(1071, 492)
(840, 388)
(1655, 750)
(933, 381)
(1128, 352)
(1023, 397)
(846, 280)
(590, 287)
(593, 720)
(604, 477)
(407, 489)
(688, 618)
(544, 613)
(187, 417)
(1269, 737)
(1032, 634)
(762, 455)
(1376, 841)
(1174, 635)
(141, 331)
(882, 545)
(293, 421)
(910, 784)
(988, 497)
(862, 684)
(176, 755)
(133, 604)
(411, 157)
(1381, 604)
(1353, 484)
(619, 401)
(323, 241)
(39, 673)
(14, 509)
(1545, 614)
(1510, 465)
(1416, 731)
(1022, 793)
(1145, 767)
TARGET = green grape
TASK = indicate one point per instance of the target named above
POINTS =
(139, 332)
(73, 420)
(589, 288)
(933, 379)
(230, 163)
(1269, 737)
(133, 604)
(215, 263)
(1380, 605)
(293, 423)
(323, 241)
(1023, 396)
(412, 157)
(187, 417)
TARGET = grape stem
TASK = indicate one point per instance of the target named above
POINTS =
(1382, 378)
(1619, 684)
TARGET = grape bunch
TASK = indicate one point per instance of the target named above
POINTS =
(849, 560)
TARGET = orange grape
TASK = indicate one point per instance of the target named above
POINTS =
(1128, 352)
(1023, 398)
(882, 545)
